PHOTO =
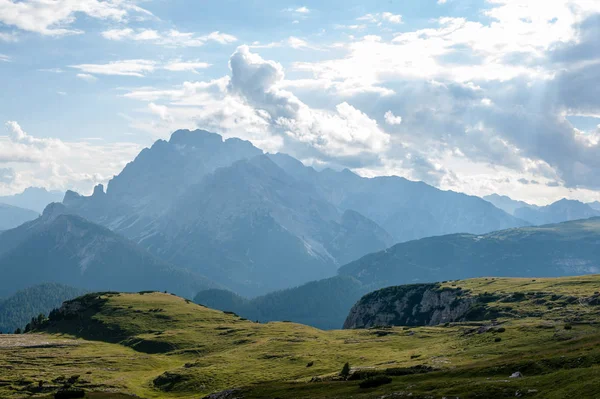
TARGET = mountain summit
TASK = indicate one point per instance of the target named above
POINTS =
(257, 222)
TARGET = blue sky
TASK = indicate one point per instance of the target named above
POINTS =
(473, 96)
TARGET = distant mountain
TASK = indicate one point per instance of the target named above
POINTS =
(17, 310)
(569, 248)
(12, 216)
(594, 205)
(560, 211)
(406, 209)
(508, 204)
(323, 304)
(66, 249)
(257, 223)
(34, 198)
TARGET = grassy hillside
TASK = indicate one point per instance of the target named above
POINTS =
(161, 346)
(556, 250)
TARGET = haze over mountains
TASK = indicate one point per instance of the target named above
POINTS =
(61, 248)
(198, 212)
(559, 211)
(565, 249)
(257, 223)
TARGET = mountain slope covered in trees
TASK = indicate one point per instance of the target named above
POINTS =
(17, 310)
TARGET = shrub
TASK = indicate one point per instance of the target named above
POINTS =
(310, 364)
(501, 329)
(376, 381)
(568, 327)
(497, 339)
(345, 370)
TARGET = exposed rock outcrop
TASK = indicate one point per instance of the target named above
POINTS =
(410, 305)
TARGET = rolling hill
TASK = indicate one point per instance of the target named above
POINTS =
(114, 345)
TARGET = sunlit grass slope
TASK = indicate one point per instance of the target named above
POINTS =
(157, 345)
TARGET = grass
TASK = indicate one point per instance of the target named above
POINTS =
(161, 346)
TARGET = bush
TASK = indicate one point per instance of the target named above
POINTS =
(310, 364)
(568, 327)
(497, 339)
(345, 370)
(376, 381)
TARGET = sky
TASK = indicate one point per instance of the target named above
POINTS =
(476, 96)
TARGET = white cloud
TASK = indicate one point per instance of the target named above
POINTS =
(185, 66)
(9, 37)
(161, 110)
(87, 77)
(119, 68)
(51, 70)
(5, 58)
(55, 164)
(392, 18)
(302, 10)
(171, 38)
(392, 119)
(61, 93)
(53, 18)
(381, 17)
(136, 68)
(442, 1)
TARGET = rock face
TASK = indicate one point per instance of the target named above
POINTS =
(410, 305)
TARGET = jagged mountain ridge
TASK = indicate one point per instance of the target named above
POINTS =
(258, 223)
(34, 198)
(63, 248)
(557, 212)
(408, 210)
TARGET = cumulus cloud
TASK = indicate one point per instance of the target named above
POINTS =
(392, 119)
(346, 131)
(53, 18)
(171, 38)
(5, 58)
(49, 162)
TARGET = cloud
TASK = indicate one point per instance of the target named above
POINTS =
(9, 37)
(136, 68)
(391, 119)
(55, 164)
(378, 18)
(51, 70)
(53, 18)
(5, 58)
(171, 38)
(185, 66)
(298, 10)
(87, 77)
(7, 175)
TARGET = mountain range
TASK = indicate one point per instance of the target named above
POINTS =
(34, 198)
(569, 248)
(13, 216)
(62, 248)
(559, 211)
(257, 222)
